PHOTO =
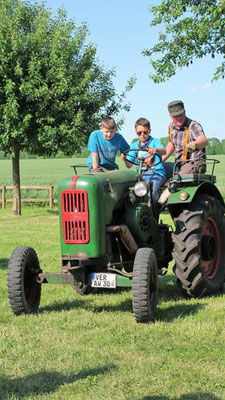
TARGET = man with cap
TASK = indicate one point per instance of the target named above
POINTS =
(187, 141)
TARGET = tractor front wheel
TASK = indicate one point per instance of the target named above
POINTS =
(199, 242)
(24, 291)
(145, 285)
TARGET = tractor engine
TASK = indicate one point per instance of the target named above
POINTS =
(83, 234)
(114, 229)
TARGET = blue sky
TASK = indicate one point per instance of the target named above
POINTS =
(120, 29)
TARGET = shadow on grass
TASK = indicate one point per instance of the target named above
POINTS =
(168, 289)
(4, 263)
(189, 396)
(44, 382)
(53, 212)
(178, 311)
(168, 314)
(67, 305)
(87, 304)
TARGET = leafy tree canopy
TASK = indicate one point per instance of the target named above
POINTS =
(53, 91)
(191, 29)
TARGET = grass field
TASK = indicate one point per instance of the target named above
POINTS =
(90, 347)
(50, 171)
(38, 172)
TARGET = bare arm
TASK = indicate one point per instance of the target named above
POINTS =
(199, 143)
(169, 150)
(95, 160)
(161, 150)
(127, 163)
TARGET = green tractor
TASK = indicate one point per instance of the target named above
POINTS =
(111, 238)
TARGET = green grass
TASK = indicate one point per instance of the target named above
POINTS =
(38, 172)
(50, 171)
(91, 348)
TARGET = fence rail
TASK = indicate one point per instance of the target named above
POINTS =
(49, 199)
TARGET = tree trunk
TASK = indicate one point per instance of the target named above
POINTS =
(16, 182)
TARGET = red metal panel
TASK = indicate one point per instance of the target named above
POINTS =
(74, 181)
(75, 216)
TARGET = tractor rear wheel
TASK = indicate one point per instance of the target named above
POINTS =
(199, 242)
(24, 292)
(145, 285)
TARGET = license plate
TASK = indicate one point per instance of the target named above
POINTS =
(101, 280)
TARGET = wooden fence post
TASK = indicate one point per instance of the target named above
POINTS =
(3, 196)
(51, 196)
(49, 199)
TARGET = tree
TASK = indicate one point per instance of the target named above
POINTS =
(214, 146)
(223, 146)
(192, 29)
(53, 91)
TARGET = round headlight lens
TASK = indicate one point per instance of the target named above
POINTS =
(183, 196)
(141, 189)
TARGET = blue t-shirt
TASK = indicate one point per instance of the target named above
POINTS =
(106, 149)
(159, 169)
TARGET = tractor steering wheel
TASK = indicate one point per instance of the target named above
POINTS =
(158, 155)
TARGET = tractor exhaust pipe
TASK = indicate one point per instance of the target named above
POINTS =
(125, 235)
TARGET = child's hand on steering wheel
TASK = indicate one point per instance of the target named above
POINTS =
(149, 159)
(152, 150)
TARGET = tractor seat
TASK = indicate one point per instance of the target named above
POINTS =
(198, 178)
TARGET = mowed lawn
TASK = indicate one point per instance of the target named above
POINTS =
(90, 347)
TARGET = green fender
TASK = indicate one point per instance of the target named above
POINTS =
(193, 191)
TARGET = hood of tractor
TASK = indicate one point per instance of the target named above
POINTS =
(86, 205)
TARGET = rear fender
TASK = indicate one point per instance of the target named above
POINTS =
(192, 191)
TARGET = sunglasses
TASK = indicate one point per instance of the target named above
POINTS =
(139, 133)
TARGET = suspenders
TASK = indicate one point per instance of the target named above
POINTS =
(186, 133)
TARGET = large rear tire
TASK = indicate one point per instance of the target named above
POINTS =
(145, 285)
(24, 292)
(199, 242)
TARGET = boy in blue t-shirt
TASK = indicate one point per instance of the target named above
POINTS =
(104, 144)
(157, 174)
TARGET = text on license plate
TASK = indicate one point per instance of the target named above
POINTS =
(102, 280)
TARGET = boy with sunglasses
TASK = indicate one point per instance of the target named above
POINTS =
(157, 174)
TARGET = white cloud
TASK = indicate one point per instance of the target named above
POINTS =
(205, 86)
(194, 89)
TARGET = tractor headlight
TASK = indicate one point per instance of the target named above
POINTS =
(183, 196)
(141, 189)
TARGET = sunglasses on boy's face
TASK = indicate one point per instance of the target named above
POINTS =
(139, 133)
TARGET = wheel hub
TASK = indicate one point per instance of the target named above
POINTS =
(208, 248)
(211, 247)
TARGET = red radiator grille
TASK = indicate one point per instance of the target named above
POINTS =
(75, 216)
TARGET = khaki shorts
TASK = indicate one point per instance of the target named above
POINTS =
(194, 167)
(186, 168)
